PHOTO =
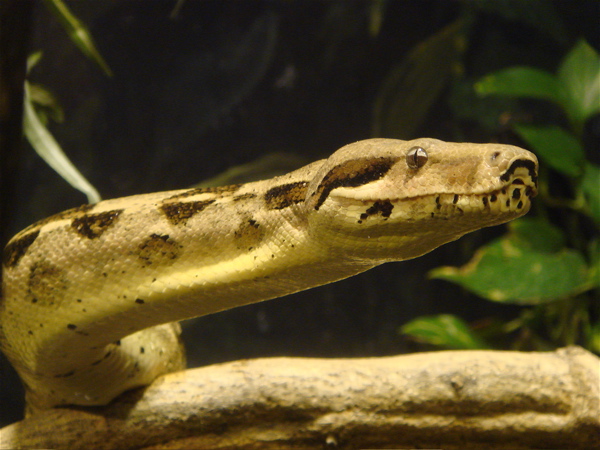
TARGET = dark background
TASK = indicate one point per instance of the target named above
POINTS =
(223, 83)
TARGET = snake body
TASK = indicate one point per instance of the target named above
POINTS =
(91, 296)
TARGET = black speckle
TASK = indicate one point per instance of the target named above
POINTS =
(493, 198)
(30, 332)
(455, 200)
(520, 204)
(34, 300)
(71, 326)
(142, 350)
(516, 194)
(139, 300)
(507, 203)
(485, 201)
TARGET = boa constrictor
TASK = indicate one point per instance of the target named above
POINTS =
(91, 296)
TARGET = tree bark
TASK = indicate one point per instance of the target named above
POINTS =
(449, 400)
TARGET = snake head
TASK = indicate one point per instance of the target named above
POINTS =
(400, 199)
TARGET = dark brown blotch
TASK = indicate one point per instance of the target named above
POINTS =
(63, 215)
(93, 226)
(286, 195)
(243, 197)
(179, 212)
(68, 374)
(45, 283)
(353, 173)
(17, 248)
(158, 248)
(249, 234)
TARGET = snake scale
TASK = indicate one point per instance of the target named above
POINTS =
(92, 296)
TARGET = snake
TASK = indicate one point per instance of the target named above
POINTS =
(92, 296)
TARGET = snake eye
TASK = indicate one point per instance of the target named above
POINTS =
(416, 157)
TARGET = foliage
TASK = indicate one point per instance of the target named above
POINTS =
(39, 105)
(554, 271)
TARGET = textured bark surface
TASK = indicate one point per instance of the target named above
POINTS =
(450, 400)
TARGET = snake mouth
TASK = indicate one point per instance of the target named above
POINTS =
(510, 200)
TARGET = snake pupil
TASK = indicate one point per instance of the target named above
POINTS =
(416, 157)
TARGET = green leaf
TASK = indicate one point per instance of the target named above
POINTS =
(44, 100)
(536, 234)
(444, 330)
(507, 272)
(555, 146)
(46, 146)
(33, 59)
(78, 33)
(590, 185)
(521, 81)
(580, 76)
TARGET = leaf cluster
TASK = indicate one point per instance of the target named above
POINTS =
(550, 264)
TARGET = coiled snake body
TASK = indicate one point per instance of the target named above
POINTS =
(91, 296)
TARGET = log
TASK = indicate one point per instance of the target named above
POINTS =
(449, 400)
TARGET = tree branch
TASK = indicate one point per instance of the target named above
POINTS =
(450, 400)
